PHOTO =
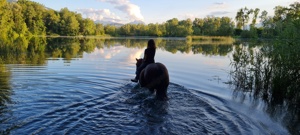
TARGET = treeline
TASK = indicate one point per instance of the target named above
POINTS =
(284, 20)
(37, 50)
(26, 18)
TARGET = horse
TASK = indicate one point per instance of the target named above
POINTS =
(154, 76)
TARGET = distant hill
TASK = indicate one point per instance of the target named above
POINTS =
(137, 22)
(118, 24)
(12, 0)
(109, 23)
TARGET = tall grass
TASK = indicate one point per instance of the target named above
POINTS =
(271, 73)
(209, 40)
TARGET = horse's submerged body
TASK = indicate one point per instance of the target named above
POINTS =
(155, 76)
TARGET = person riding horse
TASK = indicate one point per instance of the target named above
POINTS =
(149, 54)
(151, 75)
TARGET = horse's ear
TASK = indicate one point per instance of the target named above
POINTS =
(136, 59)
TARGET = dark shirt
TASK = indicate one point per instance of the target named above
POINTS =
(150, 53)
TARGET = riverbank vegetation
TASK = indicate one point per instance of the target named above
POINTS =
(211, 40)
(27, 18)
(272, 73)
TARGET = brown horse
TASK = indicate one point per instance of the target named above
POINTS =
(155, 76)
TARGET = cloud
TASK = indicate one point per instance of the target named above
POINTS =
(133, 11)
(135, 53)
(219, 5)
(104, 53)
(188, 16)
(100, 14)
(218, 9)
(217, 13)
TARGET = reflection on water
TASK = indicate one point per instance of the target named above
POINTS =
(268, 74)
(5, 90)
(79, 85)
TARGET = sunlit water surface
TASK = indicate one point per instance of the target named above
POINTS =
(93, 94)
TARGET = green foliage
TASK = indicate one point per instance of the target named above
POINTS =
(69, 24)
(33, 16)
(26, 18)
(252, 33)
(125, 30)
(242, 17)
(88, 27)
(271, 26)
(99, 29)
(52, 22)
(213, 26)
(226, 27)
(272, 72)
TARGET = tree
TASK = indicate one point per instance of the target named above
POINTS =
(247, 15)
(52, 20)
(226, 27)
(280, 13)
(99, 29)
(185, 27)
(69, 25)
(210, 26)
(88, 27)
(255, 12)
(198, 26)
(5, 20)
(143, 30)
(125, 30)
(19, 27)
(171, 27)
(263, 18)
(240, 18)
(110, 29)
(268, 25)
(34, 14)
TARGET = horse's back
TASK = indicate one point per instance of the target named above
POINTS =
(156, 75)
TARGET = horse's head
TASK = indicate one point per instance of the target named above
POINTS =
(139, 62)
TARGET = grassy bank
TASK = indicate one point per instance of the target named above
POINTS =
(209, 40)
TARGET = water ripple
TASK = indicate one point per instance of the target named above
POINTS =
(133, 110)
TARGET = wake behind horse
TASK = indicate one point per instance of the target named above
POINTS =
(155, 76)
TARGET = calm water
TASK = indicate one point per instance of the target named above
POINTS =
(76, 86)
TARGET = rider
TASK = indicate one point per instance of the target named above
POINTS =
(149, 54)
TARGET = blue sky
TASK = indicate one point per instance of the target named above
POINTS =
(159, 11)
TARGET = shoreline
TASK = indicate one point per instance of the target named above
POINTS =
(112, 37)
(151, 37)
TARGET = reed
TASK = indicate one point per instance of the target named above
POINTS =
(270, 73)
(210, 40)
(213, 38)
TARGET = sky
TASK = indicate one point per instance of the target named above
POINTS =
(159, 11)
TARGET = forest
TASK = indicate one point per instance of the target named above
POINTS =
(28, 18)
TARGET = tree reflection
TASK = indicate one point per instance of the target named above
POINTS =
(271, 73)
(37, 50)
(221, 50)
(5, 89)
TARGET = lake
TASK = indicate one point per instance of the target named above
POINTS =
(82, 86)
